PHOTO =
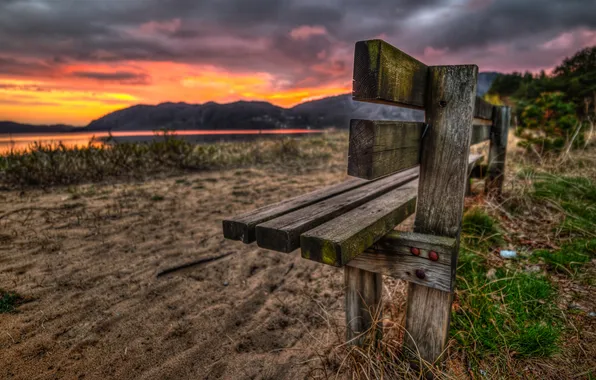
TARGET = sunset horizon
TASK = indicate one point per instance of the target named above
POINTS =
(65, 64)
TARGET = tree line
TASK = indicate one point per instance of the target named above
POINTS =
(554, 112)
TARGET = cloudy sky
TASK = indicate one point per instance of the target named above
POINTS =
(74, 60)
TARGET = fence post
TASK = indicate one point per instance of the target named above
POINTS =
(451, 92)
(498, 151)
(363, 303)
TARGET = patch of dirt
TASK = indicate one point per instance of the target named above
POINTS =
(89, 259)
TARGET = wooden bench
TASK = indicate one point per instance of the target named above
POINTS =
(401, 168)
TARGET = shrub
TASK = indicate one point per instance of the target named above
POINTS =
(549, 123)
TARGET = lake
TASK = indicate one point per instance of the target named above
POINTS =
(22, 141)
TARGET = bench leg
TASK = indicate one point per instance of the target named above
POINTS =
(427, 321)
(498, 151)
(363, 305)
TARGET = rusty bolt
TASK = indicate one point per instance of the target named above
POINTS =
(420, 274)
(415, 251)
(433, 256)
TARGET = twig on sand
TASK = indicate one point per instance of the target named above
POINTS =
(54, 210)
(192, 264)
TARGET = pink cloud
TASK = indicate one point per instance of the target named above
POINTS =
(304, 32)
(169, 26)
(432, 53)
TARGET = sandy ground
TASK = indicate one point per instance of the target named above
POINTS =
(88, 259)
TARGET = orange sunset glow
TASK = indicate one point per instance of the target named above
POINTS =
(77, 101)
(71, 62)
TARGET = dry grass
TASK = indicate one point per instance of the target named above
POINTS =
(45, 165)
(542, 328)
(88, 255)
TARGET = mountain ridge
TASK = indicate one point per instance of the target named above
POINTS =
(334, 111)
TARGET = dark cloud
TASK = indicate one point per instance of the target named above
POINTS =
(509, 20)
(116, 76)
(18, 67)
(255, 35)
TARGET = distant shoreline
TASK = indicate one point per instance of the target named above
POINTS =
(23, 141)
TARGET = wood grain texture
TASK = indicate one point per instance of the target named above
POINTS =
(283, 233)
(379, 148)
(404, 267)
(363, 304)
(401, 242)
(498, 151)
(443, 173)
(445, 155)
(242, 227)
(480, 133)
(392, 256)
(345, 237)
(385, 74)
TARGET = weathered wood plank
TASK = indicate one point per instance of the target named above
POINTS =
(498, 151)
(480, 133)
(443, 175)
(363, 304)
(392, 256)
(283, 233)
(405, 267)
(385, 74)
(379, 148)
(482, 109)
(242, 227)
(345, 237)
(445, 156)
(403, 242)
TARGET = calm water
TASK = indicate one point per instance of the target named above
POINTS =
(22, 141)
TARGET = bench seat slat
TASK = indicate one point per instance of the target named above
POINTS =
(345, 237)
(283, 233)
(242, 227)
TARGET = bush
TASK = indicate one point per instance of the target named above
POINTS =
(549, 123)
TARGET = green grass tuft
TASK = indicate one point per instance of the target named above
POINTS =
(502, 312)
(574, 195)
(9, 301)
(570, 257)
(479, 228)
(157, 198)
(512, 312)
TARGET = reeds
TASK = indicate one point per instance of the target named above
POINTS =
(51, 164)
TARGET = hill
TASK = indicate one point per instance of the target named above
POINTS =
(335, 111)
(8, 127)
(329, 112)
